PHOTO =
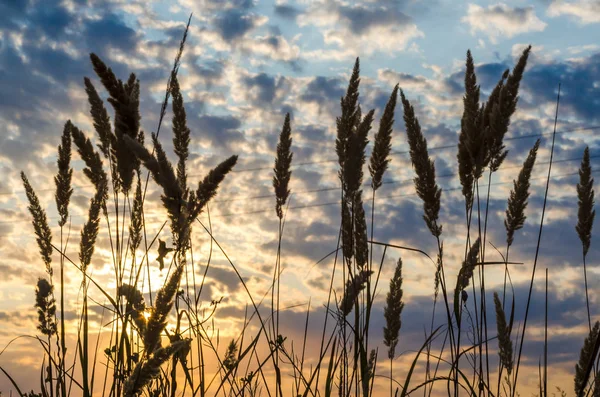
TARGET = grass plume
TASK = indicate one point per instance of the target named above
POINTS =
(504, 342)
(379, 160)
(393, 311)
(425, 184)
(124, 97)
(585, 195)
(40, 225)
(585, 357)
(282, 171)
(181, 133)
(470, 139)
(517, 200)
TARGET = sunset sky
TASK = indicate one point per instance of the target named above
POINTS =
(245, 65)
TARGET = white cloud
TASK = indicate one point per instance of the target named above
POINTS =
(502, 21)
(361, 29)
(585, 11)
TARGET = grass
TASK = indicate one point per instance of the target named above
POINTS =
(162, 337)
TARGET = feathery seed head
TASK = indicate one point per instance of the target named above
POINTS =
(94, 169)
(517, 201)
(136, 224)
(381, 148)
(40, 225)
(136, 306)
(585, 195)
(207, 189)
(181, 132)
(62, 180)
(470, 142)
(466, 271)
(502, 106)
(504, 342)
(46, 307)
(149, 369)
(163, 304)
(393, 311)
(230, 359)
(125, 100)
(585, 359)
(353, 288)
(425, 184)
(282, 171)
(100, 118)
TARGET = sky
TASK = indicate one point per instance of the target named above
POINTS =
(248, 63)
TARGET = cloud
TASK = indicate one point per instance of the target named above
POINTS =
(406, 80)
(109, 32)
(234, 23)
(361, 28)
(583, 11)
(502, 21)
(221, 130)
(287, 11)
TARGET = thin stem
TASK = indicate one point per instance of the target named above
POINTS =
(537, 249)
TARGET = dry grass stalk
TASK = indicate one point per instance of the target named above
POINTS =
(438, 272)
(585, 357)
(94, 169)
(136, 306)
(425, 184)
(40, 225)
(101, 119)
(207, 189)
(501, 110)
(466, 272)
(283, 161)
(136, 225)
(146, 371)
(504, 342)
(349, 118)
(393, 311)
(470, 141)
(353, 287)
(89, 233)
(162, 172)
(46, 307)
(181, 133)
(95, 172)
(585, 196)
(62, 180)
(355, 155)
(382, 145)
(124, 97)
(352, 133)
(162, 307)
(361, 247)
(230, 360)
(517, 201)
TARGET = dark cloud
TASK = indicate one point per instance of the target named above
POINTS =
(579, 80)
(234, 23)
(287, 11)
(110, 32)
(312, 133)
(323, 90)
(265, 84)
(51, 20)
(209, 71)
(360, 18)
(221, 130)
